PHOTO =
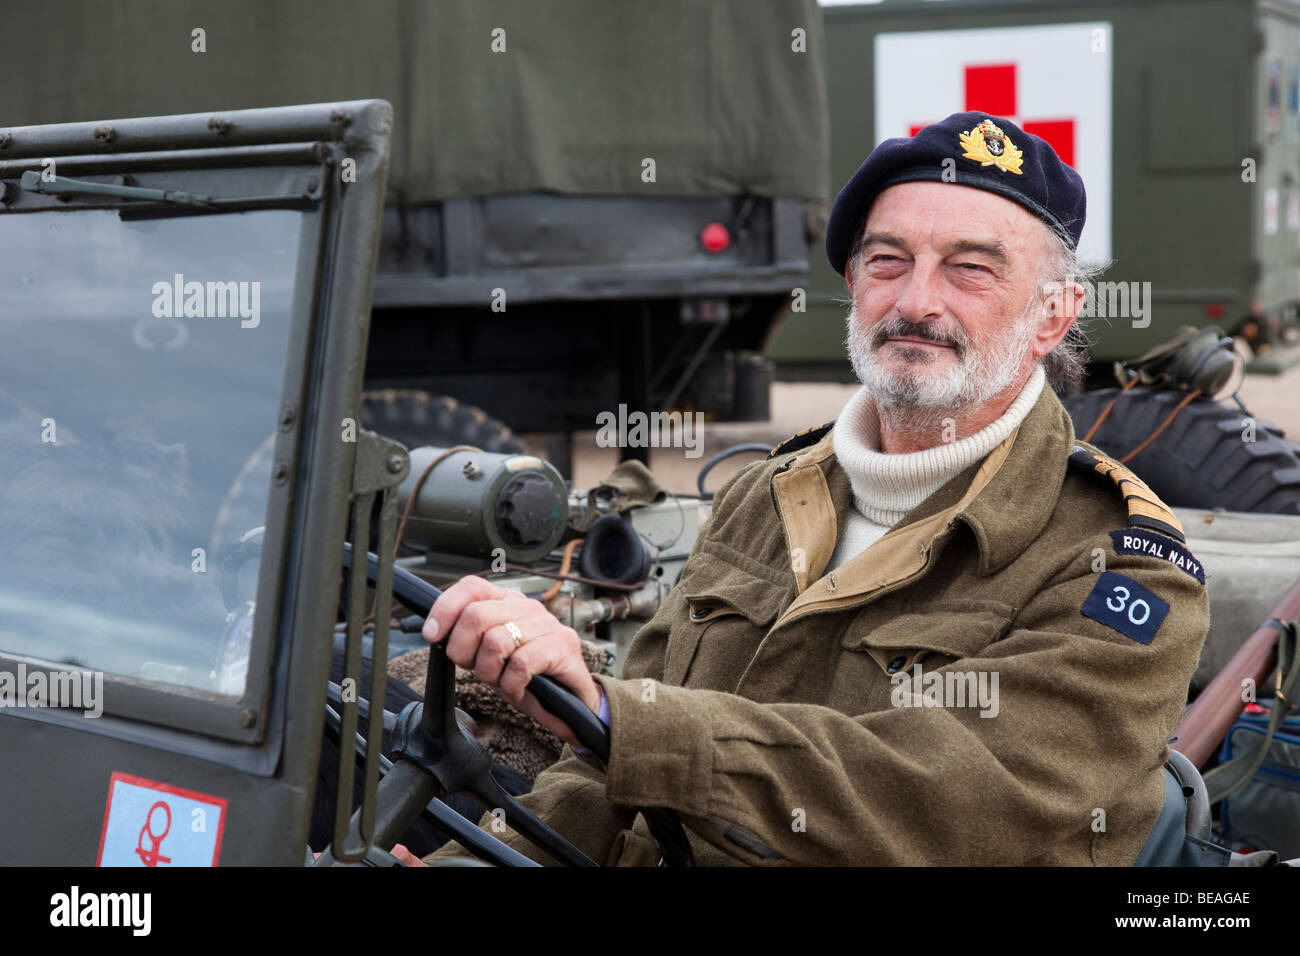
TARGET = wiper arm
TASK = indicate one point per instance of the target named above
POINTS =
(61, 185)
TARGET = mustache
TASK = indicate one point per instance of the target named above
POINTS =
(901, 327)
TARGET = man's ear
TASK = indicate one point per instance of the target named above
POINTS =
(1062, 302)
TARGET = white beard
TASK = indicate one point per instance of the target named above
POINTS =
(976, 378)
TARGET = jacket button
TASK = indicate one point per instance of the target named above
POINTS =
(897, 663)
(700, 612)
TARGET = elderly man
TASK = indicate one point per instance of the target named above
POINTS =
(930, 634)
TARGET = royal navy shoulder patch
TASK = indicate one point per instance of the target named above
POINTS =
(1145, 509)
(803, 439)
(1152, 545)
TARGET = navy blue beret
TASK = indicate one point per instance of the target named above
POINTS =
(989, 153)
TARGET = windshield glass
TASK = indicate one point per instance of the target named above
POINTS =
(141, 365)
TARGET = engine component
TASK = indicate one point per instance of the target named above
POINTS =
(584, 615)
(614, 552)
(473, 503)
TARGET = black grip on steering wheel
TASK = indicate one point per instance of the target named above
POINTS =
(419, 595)
(561, 702)
(414, 592)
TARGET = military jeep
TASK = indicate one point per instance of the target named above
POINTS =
(185, 482)
(186, 314)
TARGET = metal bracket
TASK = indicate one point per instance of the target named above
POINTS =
(379, 467)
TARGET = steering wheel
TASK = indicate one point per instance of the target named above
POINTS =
(437, 757)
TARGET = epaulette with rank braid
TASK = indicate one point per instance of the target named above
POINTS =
(809, 436)
(1145, 509)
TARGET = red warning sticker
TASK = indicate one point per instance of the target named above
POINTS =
(147, 823)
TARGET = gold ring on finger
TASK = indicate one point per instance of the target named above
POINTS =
(516, 635)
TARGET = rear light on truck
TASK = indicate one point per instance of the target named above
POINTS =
(714, 237)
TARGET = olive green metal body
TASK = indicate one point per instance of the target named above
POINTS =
(258, 750)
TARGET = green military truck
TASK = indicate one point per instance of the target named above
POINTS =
(1182, 117)
(589, 204)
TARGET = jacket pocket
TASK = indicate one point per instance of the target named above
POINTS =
(728, 612)
(941, 634)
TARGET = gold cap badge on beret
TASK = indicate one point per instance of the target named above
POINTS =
(989, 146)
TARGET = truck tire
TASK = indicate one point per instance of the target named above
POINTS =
(415, 417)
(1201, 460)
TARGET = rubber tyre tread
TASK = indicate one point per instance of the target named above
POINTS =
(415, 417)
(1200, 460)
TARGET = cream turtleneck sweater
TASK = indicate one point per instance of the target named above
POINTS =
(886, 487)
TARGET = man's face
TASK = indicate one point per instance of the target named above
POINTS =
(946, 308)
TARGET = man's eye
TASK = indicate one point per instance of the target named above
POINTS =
(883, 258)
(973, 266)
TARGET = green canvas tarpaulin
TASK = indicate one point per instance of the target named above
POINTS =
(713, 91)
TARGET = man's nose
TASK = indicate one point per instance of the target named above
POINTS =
(921, 299)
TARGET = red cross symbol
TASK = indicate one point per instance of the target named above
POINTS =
(991, 88)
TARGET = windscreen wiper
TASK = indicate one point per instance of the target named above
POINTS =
(33, 182)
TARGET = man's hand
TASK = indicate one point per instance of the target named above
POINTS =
(479, 617)
(399, 851)
(406, 856)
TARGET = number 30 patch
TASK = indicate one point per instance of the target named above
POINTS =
(1123, 604)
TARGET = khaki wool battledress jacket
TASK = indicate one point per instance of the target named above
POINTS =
(764, 701)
